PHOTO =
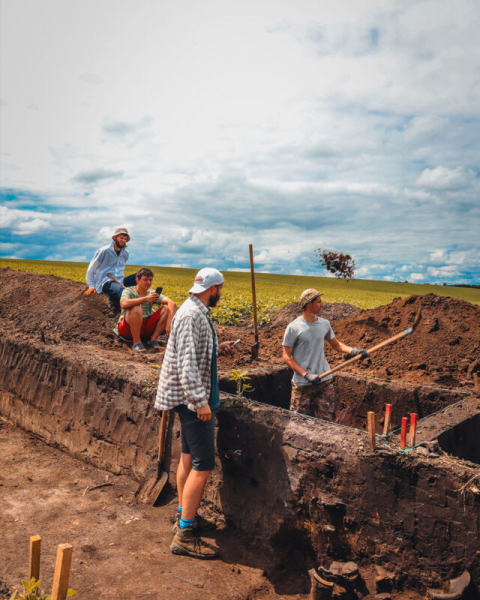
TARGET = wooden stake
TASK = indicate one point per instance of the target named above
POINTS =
(371, 429)
(388, 416)
(62, 572)
(413, 429)
(476, 385)
(403, 435)
(35, 546)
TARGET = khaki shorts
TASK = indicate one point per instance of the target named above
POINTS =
(316, 400)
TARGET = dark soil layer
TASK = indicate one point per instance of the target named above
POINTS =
(443, 351)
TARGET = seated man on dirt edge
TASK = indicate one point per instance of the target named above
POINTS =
(111, 260)
(137, 320)
(303, 351)
(189, 384)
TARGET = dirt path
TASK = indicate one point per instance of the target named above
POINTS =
(120, 547)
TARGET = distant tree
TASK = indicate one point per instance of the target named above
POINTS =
(341, 265)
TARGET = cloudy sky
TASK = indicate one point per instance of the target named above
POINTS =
(205, 126)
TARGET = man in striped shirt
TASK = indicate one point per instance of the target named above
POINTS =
(189, 384)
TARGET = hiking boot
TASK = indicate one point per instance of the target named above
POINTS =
(187, 542)
(201, 523)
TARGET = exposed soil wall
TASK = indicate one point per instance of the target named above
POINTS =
(310, 488)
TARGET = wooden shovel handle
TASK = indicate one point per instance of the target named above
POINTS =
(161, 437)
(375, 348)
(114, 279)
(254, 299)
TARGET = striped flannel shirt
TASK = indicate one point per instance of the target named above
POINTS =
(185, 377)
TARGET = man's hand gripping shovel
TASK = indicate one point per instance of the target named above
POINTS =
(391, 340)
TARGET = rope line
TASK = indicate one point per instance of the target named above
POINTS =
(431, 387)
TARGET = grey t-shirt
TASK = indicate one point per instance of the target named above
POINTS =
(307, 340)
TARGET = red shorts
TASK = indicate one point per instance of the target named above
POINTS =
(148, 326)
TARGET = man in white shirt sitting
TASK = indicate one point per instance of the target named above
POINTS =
(110, 259)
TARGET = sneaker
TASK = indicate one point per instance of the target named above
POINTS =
(201, 523)
(187, 542)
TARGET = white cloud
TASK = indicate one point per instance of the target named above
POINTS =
(33, 226)
(351, 125)
(443, 178)
(417, 276)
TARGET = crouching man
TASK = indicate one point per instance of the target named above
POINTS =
(137, 320)
(304, 353)
(189, 384)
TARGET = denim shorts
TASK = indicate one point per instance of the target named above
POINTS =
(198, 440)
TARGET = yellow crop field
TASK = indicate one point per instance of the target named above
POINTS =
(273, 291)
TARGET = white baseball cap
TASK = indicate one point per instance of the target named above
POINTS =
(204, 280)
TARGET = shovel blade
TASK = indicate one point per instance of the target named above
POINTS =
(254, 350)
(152, 487)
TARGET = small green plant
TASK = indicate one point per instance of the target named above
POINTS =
(31, 591)
(147, 385)
(240, 377)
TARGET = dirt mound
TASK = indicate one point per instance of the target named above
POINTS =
(332, 311)
(443, 351)
(54, 308)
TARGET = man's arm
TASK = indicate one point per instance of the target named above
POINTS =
(288, 358)
(339, 346)
(352, 351)
(151, 297)
(93, 268)
(171, 307)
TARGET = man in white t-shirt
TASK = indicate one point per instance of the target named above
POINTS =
(303, 351)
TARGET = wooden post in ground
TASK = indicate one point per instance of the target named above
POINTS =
(476, 385)
(62, 572)
(403, 435)
(371, 429)
(388, 416)
(35, 546)
(413, 429)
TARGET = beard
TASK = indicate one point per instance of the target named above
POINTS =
(213, 300)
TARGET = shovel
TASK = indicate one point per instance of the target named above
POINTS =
(155, 479)
(114, 279)
(254, 348)
(399, 336)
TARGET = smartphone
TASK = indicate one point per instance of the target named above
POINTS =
(159, 290)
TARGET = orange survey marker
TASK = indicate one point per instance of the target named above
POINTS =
(413, 429)
(403, 433)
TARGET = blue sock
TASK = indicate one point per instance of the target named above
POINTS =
(179, 509)
(184, 523)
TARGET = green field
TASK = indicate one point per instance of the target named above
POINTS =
(273, 291)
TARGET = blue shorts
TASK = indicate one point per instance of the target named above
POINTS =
(198, 440)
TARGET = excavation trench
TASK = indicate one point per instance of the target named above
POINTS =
(308, 488)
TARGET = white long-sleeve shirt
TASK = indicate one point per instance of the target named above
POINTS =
(106, 261)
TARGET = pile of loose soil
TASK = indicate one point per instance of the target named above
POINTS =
(54, 307)
(332, 311)
(442, 351)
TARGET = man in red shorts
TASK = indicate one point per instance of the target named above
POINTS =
(137, 320)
